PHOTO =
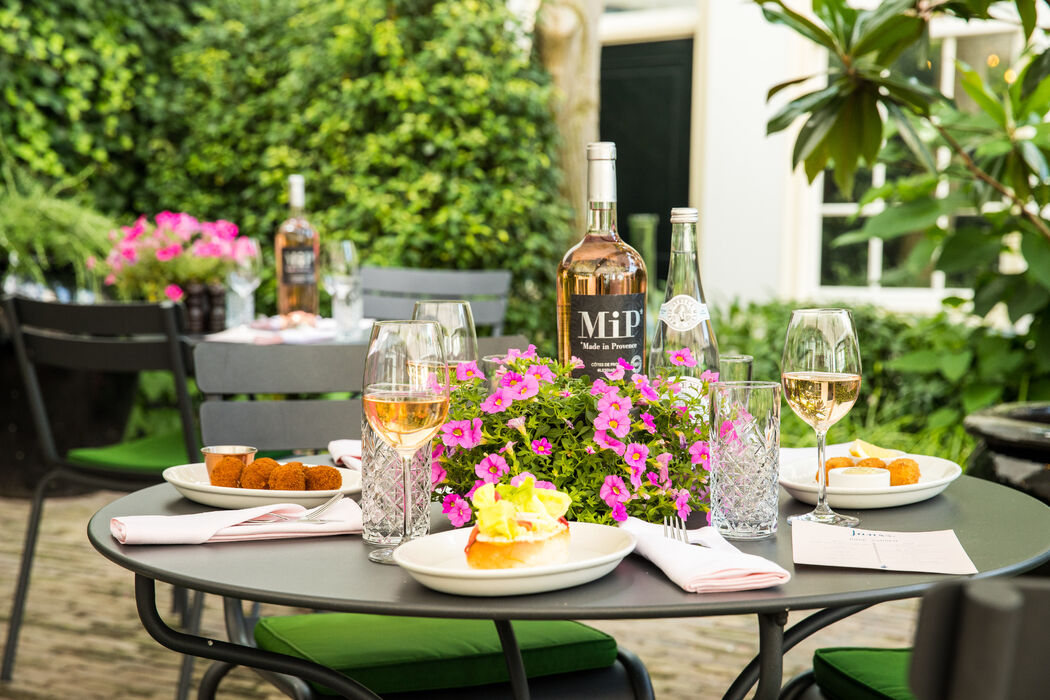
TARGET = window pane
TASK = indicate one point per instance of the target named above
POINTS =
(991, 56)
(847, 265)
(967, 278)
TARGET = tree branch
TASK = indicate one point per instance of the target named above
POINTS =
(1033, 217)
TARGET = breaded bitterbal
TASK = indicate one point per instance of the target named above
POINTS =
(903, 471)
(227, 472)
(834, 463)
(323, 478)
(288, 477)
(257, 474)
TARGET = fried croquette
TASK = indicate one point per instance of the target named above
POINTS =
(903, 471)
(873, 462)
(323, 478)
(834, 463)
(257, 474)
(288, 477)
(227, 472)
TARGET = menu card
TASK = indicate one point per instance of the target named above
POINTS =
(937, 552)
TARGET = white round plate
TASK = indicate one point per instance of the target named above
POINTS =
(437, 561)
(798, 469)
(191, 480)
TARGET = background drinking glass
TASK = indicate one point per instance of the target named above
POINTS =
(494, 369)
(405, 402)
(457, 323)
(735, 368)
(820, 370)
(243, 280)
(340, 275)
(745, 458)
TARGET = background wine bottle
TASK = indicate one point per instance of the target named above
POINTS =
(684, 321)
(297, 249)
(601, 281)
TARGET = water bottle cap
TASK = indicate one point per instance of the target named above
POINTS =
(601, 150)
(684, 215)
(296, 191)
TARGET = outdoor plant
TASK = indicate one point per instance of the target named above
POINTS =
(151, 260)
(998, 172)
(620, 445)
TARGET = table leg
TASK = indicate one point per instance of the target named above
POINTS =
(774, 640)
(146, 602)
(519, 683)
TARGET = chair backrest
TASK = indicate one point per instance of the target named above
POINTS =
(301, 417)
(983, 639)
(391, 292)
(112, 337)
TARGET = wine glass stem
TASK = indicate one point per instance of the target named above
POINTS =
(406, 468)
(822, 474)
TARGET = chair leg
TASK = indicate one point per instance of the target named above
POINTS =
(22, 587)
(192, 623)
(211, 679)
(641, 684)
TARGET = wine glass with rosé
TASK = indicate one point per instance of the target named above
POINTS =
(406, 393)
(820, 370)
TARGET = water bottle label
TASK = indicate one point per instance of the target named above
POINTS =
(683, 313)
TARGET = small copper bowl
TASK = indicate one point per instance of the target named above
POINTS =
(214, 454)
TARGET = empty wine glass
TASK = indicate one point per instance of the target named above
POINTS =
(820, 370)
(457, 323)
(406, 393)
(340, 275)
(243, 280)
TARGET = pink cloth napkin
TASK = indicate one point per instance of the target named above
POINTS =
(715, 567)
(346, 452)
(223, 525)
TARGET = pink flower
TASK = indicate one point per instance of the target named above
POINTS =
(542, 447)
(225, 230)
(514, 353)
(650, 425)
(467, 371)
(636, 454)
(206, 249)
(459, 513)
(438, 450)
(606, 442)
(542, 373)
(615, 403)
(110, 279)
(517, 424)
(565, 393)
(599, 388)
(708, 376)
(614, 374)
(129, 253)
(91, 262)
(527, 388)
(168, 252)
(618, 423)
(491, 468)
(700, 454)
(508, 447)
(613, 490)
(477, 485)
(174, 292)
(520, 478)
(576, 363)
(682, 357)
(511, 380)
(461, 433)
(589, 450)
(437, 474)
(619, 512)
(681, 502)
(625, 365)
(498, 402)
(727, 431)
(448, 501)
(647, 390)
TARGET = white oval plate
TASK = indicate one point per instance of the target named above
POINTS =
(191, 480)
(437, 561)
(798, 470)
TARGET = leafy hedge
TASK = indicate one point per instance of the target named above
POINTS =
(79, 88)
(422, 128)
(921, 375)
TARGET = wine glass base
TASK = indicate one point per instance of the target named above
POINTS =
(827, 518)
(383, 555)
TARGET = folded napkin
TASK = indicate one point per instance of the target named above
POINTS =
(346, 453)
(715, 567)
(224, 525)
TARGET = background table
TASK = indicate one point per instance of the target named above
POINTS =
(1004, 531)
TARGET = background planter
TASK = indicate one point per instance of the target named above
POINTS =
(1015, 446)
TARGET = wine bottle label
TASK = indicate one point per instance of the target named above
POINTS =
(605, 327)
(683, 313)
(297, 265)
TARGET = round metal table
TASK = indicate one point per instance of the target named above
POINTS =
(1004, 531)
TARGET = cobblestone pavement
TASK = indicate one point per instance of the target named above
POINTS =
(82, 639)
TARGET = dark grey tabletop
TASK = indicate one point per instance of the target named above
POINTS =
(1004, 531)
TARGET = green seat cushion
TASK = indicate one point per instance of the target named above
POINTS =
(402, 654)
(863, 673)
(151, 454)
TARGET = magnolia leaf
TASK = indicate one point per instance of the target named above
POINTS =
(807, 103)
(1035, 74)
(980, 396)
(812, 133)
(843, 141)
(942, 418)
(975, 88)
(1035, 159)
(953, 365)
(988, 295)
(887, 30)
(902, 219)
(917, 361)
(870, 126)
(1036, 251)
(786, 84)
(801, 25)
(967, 248)
(911, 137)
(1026, 9)
(815, 163)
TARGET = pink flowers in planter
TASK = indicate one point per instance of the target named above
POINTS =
(156, 259)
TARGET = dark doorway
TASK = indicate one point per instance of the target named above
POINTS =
(646, 96)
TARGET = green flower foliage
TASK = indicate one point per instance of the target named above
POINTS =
(78, 88)
(422, 128)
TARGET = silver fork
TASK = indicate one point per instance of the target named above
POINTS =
(675, 529)
(310, 516)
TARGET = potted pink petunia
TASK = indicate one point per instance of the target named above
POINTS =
(620, 445)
